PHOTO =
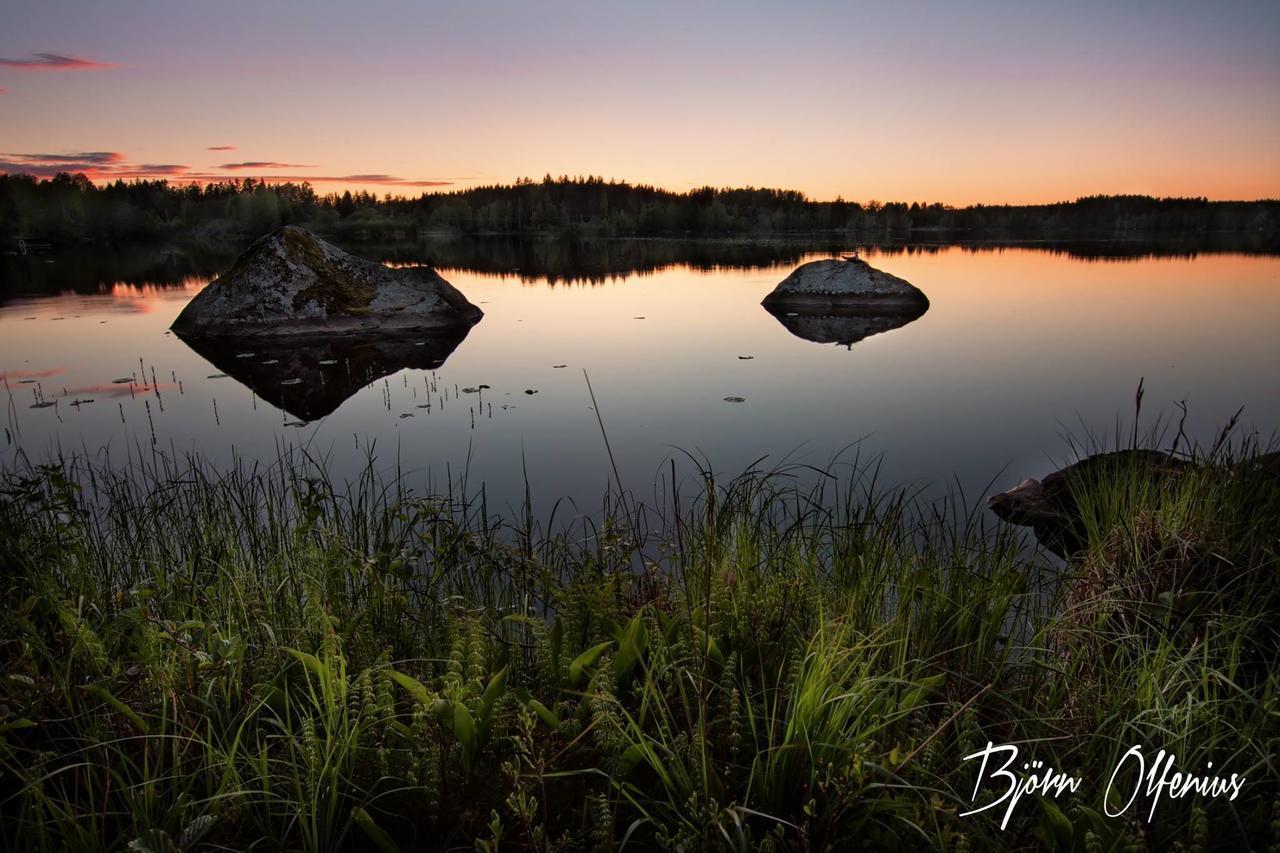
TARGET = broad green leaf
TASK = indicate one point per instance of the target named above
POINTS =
(416, 688)
(709, 645)
(1055, 827)
(544, 713)
(106, 696)
(584, 660)
(492, 693)
(921, 691)
(375, 833)
(311, 662)
(464, 728)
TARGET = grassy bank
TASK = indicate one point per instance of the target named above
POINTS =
(235, 658)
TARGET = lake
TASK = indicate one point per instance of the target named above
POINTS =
(1020, 347)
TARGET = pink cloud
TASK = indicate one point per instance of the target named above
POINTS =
(385, 179)
(105, 166)
(101, 158)
(221, 148)
(95, 165)
(55, 62)
(265, 164)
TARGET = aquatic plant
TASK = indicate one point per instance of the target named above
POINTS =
(199, 656)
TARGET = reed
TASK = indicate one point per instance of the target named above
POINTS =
(246, 655)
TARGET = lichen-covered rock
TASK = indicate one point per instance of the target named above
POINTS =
(819, 286)
(291, 282)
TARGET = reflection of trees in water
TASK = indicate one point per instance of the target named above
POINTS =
(1131, 249)
(599, 261)
(95, 269)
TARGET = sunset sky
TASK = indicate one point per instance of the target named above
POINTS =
(952, 102)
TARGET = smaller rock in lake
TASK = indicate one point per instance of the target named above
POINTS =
(821, 286)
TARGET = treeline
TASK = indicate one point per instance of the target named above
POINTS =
(70, 208)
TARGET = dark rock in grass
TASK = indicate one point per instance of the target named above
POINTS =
(292, 283)
(1050, 506)
(844, 286)
(310, 377)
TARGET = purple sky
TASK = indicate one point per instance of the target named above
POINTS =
(922, 101)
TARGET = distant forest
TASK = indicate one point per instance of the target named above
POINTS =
(71, 208)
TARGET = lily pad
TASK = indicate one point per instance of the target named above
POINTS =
(735, 399)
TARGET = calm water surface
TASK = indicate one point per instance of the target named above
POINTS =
(1018, 347)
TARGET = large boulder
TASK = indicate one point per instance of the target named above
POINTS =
(291, 282)
(843, 285)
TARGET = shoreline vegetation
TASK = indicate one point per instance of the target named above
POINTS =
(561, 259)
(67, 209)
(261, 657)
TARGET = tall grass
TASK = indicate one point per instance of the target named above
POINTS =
(201, 657)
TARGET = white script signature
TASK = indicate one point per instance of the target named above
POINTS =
(1156, 778)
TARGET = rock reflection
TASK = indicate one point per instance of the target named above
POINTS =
(310, 378)
(844, 326)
